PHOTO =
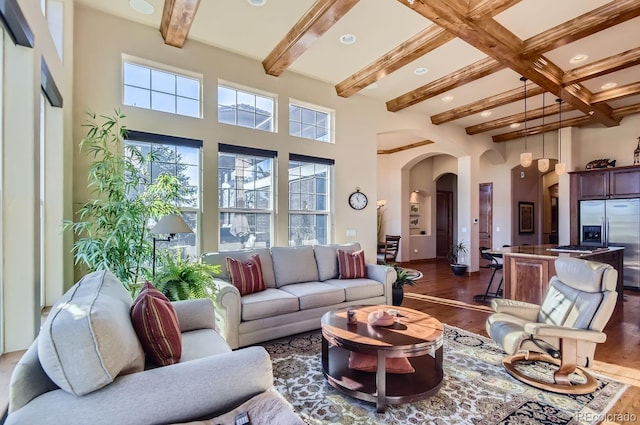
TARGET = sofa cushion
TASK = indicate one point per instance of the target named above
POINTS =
(358, 289)
(246, 275)
(202, 343)
(294, 265)
(351, 265)
(267, 303)
(88, 339)
(220, 258)
(156, 323)
(327, 259)
(315, 294)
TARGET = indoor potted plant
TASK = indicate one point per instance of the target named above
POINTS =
(456, 256)
(403, 277)
(181, 279)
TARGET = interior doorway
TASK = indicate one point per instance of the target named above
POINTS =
(444, 223)
(486, 215)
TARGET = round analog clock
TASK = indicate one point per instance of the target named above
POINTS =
(358, 200)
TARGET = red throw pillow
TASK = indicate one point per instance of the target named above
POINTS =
(369, 363)
(156, 324)
(246, 275)
(351, 265)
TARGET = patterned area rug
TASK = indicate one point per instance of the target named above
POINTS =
(476, 389)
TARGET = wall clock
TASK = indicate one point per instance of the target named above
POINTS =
(358, 200)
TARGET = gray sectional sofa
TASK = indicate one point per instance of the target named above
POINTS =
(88, 367)
(302, 284)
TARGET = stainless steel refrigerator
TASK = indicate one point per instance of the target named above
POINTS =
(615, 222)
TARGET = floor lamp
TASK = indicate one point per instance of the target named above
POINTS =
(168, 225)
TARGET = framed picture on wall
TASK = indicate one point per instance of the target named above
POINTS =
(414, 209)
(414, 222)
(525, 217)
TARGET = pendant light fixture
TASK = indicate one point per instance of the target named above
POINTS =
(525, 158)
(543, 163)
(561, 167)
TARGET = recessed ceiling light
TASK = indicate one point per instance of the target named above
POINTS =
(486, 113)
(257, 2)
(515, 125)
(609, 85)
(579, 58)
(347, 39)
(372, 86)
(420, 71)
(141, 6)
(447, 98)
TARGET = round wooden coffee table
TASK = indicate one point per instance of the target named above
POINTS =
(414, 335)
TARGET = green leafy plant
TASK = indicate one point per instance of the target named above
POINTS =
(456, 251)
(111, 229)
(180, 279)
(403, 277)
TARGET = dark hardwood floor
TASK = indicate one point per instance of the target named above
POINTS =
(450, 299)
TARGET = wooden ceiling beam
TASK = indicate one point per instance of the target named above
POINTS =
(490, 102)
(496, 41)
(606, 16)
(573, 122)
(309, 28)
(404, 147)
(461, 77)
(616, 93)
(604, 66)
(483, 8)
(618, 113)
(417, 46)
(177, 17)
(518, 118)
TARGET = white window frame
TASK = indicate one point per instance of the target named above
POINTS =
(315, 108)
(327, 212)
(252, 92)
(176, 72)
(197, 210)
(232, 241)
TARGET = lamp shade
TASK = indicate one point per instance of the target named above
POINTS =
(171, 224)
(543, 165)
(561, 168)
(526, 159)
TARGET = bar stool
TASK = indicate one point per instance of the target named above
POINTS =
(495, 265)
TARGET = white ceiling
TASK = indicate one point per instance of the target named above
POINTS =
(381, 25)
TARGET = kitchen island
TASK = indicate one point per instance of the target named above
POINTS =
(528, 268)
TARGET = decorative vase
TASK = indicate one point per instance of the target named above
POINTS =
(397, 295)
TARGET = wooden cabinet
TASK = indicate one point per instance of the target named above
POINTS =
(622, 182)
(592, 184)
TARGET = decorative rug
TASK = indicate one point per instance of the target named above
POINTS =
(476, 389)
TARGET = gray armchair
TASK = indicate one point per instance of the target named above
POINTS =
(564, 330)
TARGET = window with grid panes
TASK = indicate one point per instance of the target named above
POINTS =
(309, 123)
(246, 109)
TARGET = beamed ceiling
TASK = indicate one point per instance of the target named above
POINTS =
(475, 52)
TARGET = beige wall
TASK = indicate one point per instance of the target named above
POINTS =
(100, 41)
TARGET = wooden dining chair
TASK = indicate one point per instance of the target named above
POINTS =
(388, 250)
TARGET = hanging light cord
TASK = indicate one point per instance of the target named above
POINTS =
(559, 100)
(526, 131)
(543, 129)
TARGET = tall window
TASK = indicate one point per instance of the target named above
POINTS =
(309, 122)
(309, 200)
(182, 158)
(42, 182)
(245, 109)
(245, 197)
(161, 90)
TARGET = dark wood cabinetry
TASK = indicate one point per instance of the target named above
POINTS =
(610, 183)
(622, 182)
